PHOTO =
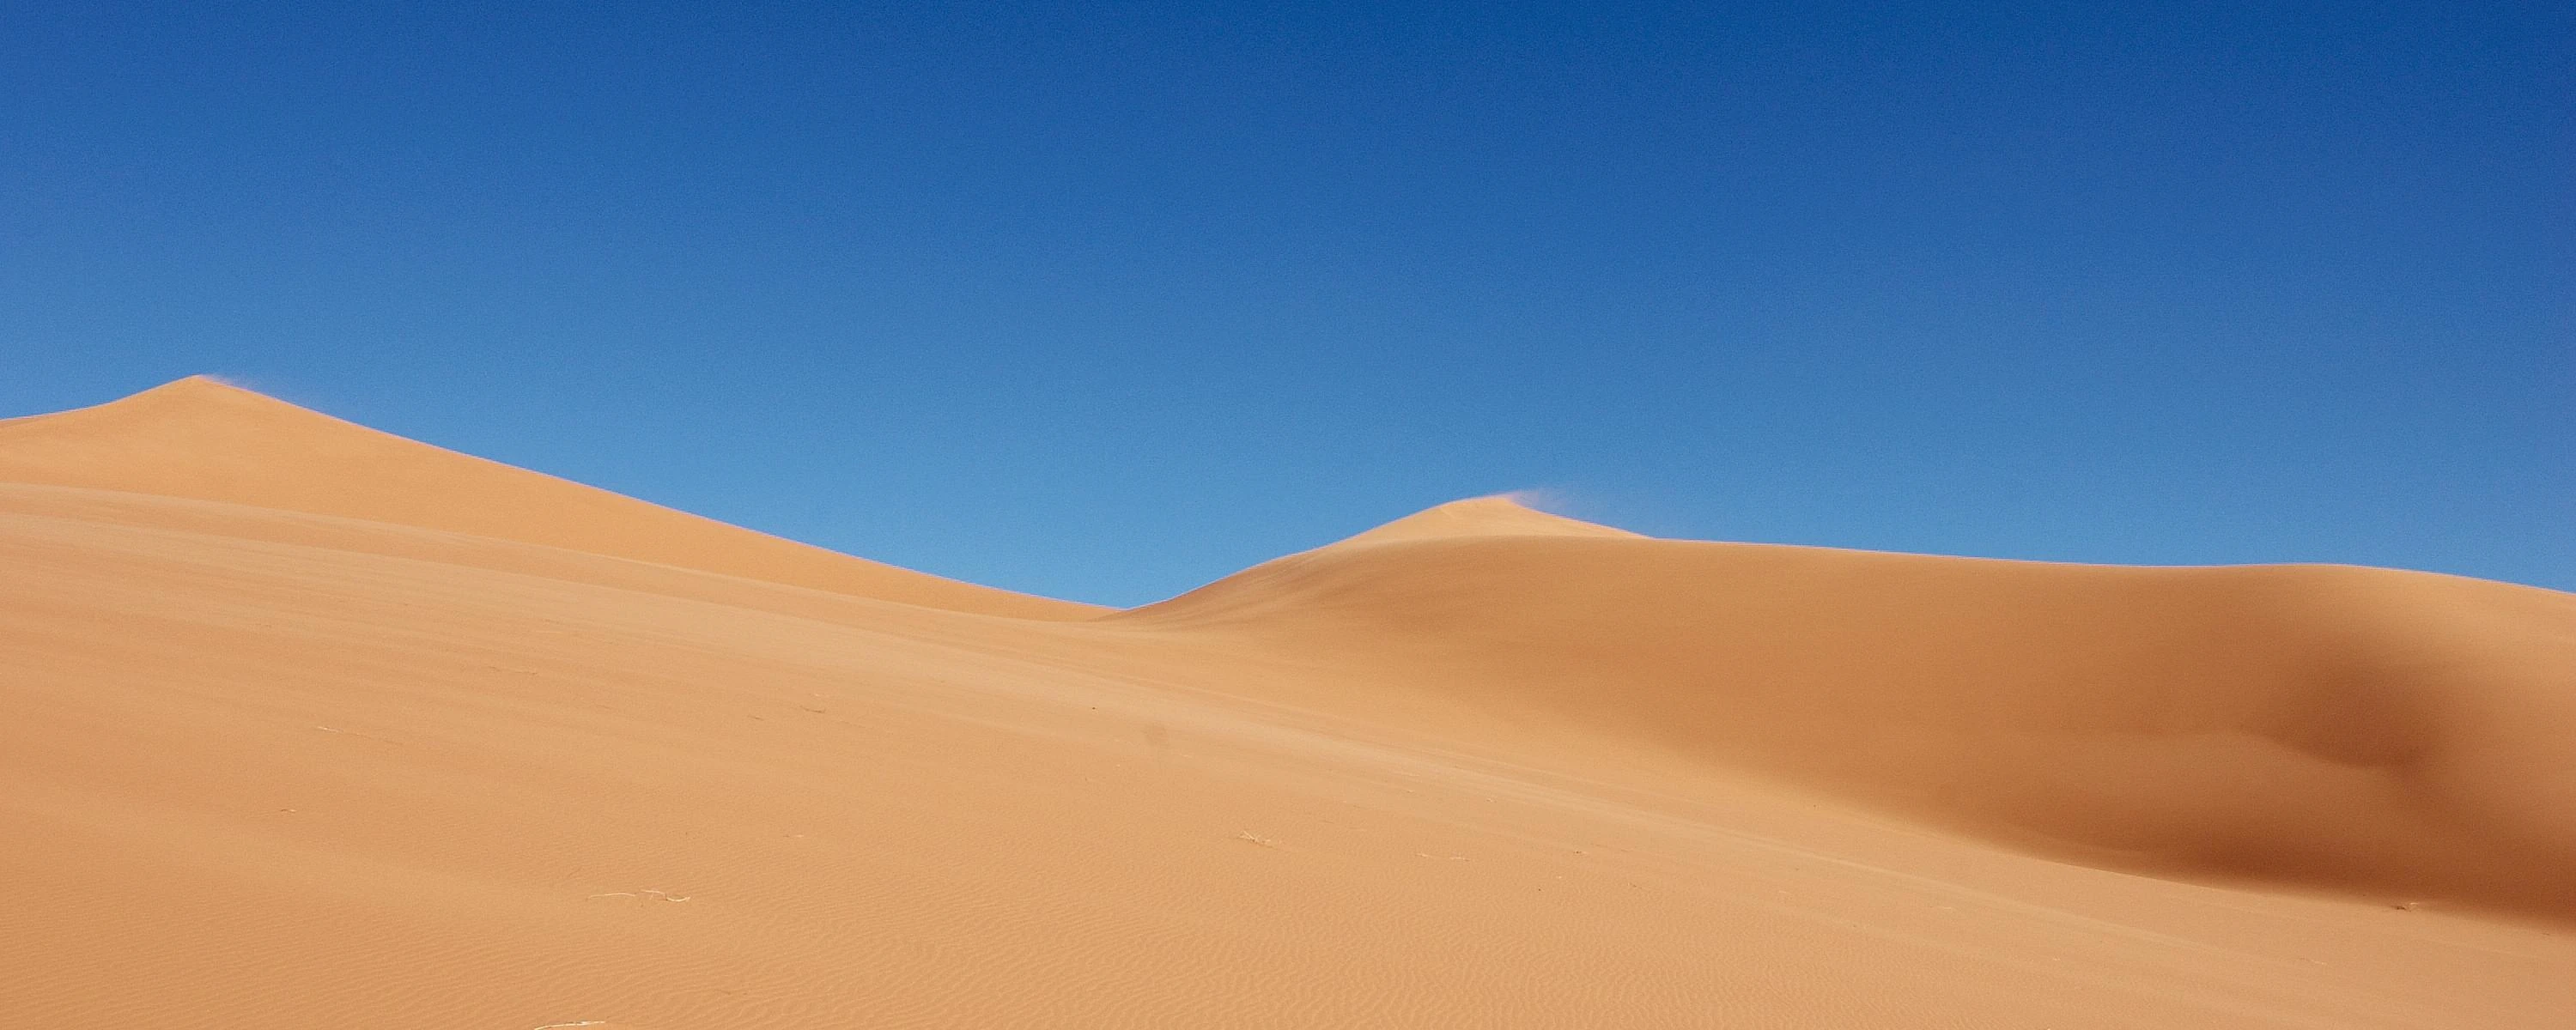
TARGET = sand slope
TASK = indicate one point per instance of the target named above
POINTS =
(2401, 735)
(202, 439)
(272, 765)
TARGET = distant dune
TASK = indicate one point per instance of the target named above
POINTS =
(315, 727)
(1479, 517)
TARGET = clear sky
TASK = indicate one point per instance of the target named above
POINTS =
(1103, 301)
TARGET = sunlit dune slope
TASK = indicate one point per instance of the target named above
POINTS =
(198, 438)
(298, 772)
(2404, 735)
(311, 728)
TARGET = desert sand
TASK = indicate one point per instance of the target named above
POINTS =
(310, 726)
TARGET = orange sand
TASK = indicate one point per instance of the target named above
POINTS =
(314, 727)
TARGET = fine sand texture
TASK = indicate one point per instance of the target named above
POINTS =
(310, 726)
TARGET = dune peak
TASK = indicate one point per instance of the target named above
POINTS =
(201, 388)
(1487, 516)
(205, 439)
(206, 383)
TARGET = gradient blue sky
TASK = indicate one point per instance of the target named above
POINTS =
(1105, 301)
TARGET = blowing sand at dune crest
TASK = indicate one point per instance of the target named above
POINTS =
(316, 727)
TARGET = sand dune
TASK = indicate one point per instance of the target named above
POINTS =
(2399, 734)
(1477, 517)
(314, 727)
(202, 439)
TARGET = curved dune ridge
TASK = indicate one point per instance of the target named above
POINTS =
(2395, 733)
(312, 726)
(204, 439)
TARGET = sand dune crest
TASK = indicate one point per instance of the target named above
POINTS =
(1499, 515)
(200, 438)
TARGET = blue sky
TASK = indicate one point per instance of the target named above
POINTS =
(1105, 301)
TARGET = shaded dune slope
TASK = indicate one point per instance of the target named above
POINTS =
(2400, 735)
(201, 439)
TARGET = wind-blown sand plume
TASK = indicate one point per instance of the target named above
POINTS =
(200, 438)
(1497, 515)
(288, 748)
